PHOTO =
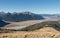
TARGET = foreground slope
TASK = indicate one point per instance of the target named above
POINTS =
(48, 29)
(46, 32)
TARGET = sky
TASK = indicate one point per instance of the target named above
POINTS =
(35, 6)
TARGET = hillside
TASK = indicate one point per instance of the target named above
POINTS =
(53, 24)
(3, 23)
(48, 29)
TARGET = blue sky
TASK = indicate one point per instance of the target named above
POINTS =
(35, 6)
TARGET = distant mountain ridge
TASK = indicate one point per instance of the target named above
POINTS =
(20, 16)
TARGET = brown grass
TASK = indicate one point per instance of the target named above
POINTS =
(46, 32)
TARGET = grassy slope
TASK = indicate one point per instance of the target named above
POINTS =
(46, 32)
(49, 30)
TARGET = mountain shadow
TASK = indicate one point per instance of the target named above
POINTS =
(2, 23)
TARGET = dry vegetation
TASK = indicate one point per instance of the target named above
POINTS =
(46, 32)
(42, 30)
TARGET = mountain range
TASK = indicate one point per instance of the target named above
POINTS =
(19, 16)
